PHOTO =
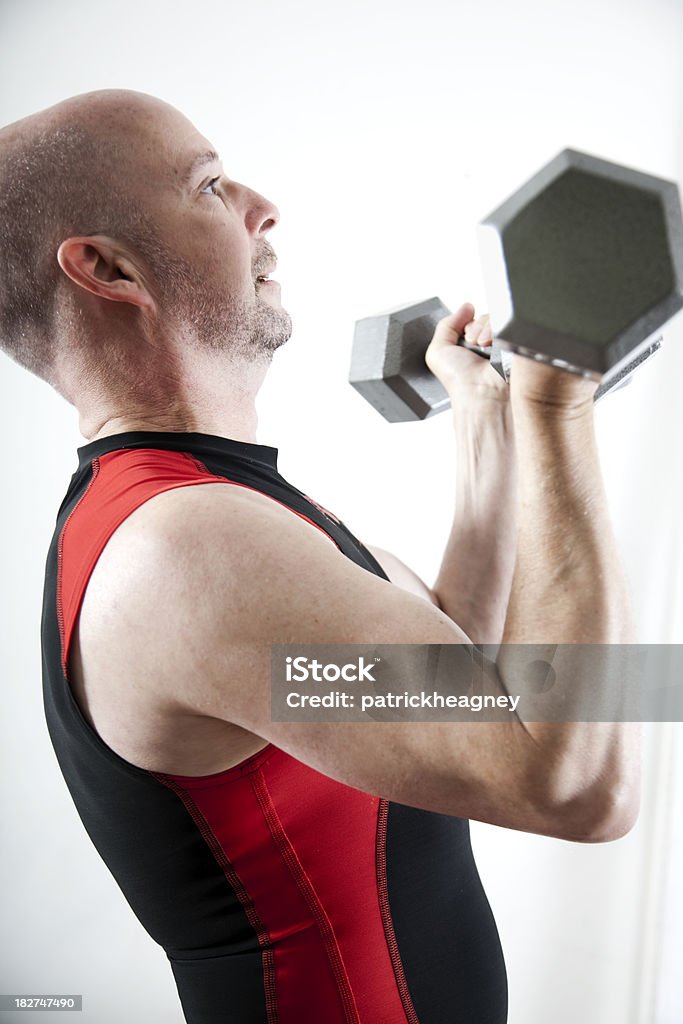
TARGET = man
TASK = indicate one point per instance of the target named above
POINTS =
(293, 872)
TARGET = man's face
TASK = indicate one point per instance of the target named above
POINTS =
(213, 251)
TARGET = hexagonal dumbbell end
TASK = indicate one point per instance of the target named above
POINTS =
(584, 264)
(388, 361)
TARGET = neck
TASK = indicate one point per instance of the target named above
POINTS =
(208, 395)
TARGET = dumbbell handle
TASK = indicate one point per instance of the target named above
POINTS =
(472, 347)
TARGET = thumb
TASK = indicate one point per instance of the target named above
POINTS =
(451, 327)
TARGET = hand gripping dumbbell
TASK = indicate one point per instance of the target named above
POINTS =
(583, 266)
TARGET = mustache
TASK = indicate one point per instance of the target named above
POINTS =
(265, 259)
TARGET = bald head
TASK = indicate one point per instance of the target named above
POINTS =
(73, 169)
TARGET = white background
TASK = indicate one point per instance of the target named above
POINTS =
(384, 132)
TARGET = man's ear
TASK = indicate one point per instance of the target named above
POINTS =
(96, 263)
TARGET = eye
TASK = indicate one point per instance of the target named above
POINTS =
(210, 187)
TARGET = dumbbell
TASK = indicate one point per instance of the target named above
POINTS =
(583, 266)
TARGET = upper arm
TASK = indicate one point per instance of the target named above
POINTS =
(210, 577)
(402, 575)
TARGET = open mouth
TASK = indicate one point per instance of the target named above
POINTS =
(264, 277)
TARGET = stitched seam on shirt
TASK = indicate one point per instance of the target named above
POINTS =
(307, 890)
(212, 841)
(385, 912)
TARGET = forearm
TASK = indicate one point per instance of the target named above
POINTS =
(568, 585)
(475, 576)
(569, 588)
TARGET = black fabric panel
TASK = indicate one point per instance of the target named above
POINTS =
(445, 931)
(225, 448)
(220, 990)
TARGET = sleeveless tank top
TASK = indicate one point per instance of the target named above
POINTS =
(278, 895)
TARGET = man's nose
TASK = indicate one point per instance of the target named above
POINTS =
(260, 215)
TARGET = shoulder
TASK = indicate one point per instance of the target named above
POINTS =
(219, 558)
(212, 524)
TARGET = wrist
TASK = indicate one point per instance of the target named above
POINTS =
(551, 390)
(550, 410)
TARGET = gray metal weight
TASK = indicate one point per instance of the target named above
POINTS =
(583, 266)
(387, 362)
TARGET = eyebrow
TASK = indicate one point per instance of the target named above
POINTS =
(208, 157)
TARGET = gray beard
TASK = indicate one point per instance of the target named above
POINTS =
(248, 332)
(245, 331)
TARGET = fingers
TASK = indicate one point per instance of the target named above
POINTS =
(460, 323)
(478, 332)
